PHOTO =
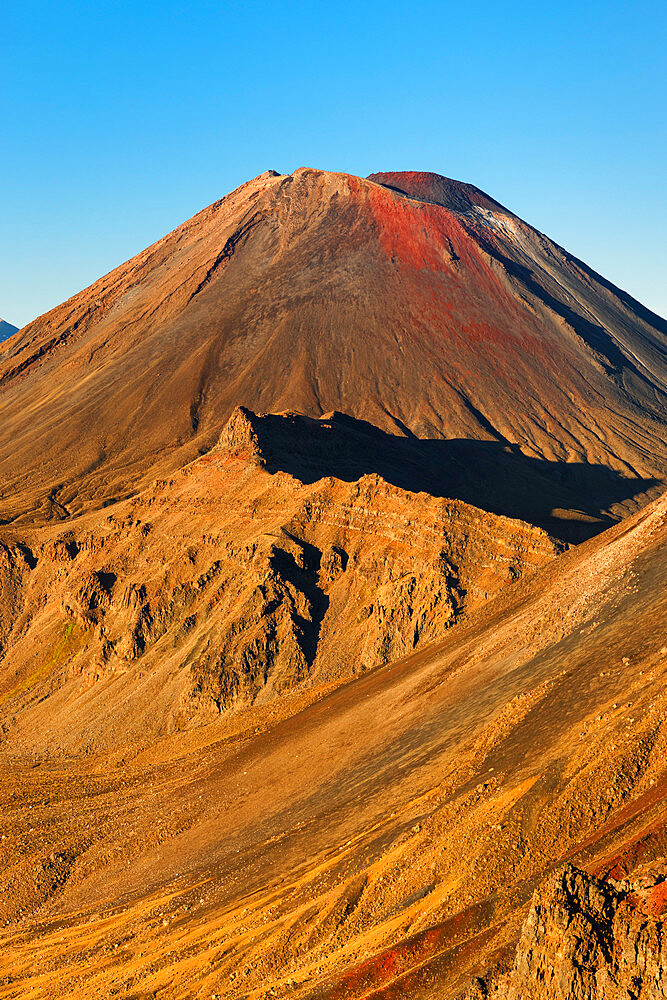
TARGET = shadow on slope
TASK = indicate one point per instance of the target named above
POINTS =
(568, 499)
(616, 363)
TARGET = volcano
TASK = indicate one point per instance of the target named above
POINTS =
(415, 303)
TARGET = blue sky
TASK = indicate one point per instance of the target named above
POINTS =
(120, 120)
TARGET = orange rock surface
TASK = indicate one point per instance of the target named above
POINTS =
(380, 840)
(226, 586)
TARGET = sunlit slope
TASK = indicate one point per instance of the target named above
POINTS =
(228, 585)
(381, 842)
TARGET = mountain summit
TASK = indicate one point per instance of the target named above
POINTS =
(413, 302)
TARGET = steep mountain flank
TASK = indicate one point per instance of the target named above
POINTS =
(380, 840)
(428, 311)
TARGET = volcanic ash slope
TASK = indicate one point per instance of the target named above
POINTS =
(410, 301)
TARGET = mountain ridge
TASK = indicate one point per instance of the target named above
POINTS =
(232, 584)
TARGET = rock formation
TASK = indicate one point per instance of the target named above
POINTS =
(228, 583)
(585, 939)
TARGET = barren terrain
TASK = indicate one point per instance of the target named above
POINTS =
(333, 589)
(228, 584)
(378, 841)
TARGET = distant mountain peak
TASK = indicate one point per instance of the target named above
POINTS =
(6, 329)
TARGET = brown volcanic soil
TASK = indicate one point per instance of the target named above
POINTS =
(228, 585)
(428, 310)
(381, 842)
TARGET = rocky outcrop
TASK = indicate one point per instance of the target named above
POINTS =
(239, 435)
(586, 939)
(13, 568)
(231, 584)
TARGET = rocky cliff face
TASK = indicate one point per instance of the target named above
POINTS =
(229, 584)
(587, 939)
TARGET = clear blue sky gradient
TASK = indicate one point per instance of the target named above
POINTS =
(122, 119)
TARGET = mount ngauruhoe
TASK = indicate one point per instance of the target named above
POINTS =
(333, 595)
(412, 302)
